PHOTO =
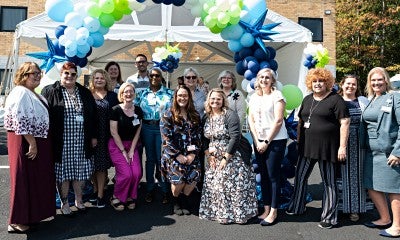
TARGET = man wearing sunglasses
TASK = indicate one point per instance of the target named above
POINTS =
(140, 79)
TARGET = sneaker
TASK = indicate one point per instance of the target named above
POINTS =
(325, 225)
(93, 197)
(101, 202)
(149, 197)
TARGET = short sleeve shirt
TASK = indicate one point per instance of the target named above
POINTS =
(127, 126)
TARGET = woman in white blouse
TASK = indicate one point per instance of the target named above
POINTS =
(236, 99)
(267, 126)
(32, 179)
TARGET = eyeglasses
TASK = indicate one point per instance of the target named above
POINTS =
(128, 91)
(154, 75)
(191, 77)
(36, 73)
(69, 73)
(141, 62)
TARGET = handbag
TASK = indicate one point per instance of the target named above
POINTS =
(245, 150)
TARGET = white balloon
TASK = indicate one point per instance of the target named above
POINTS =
(279, 85)
(80, 8)
(50, 77)
(244, 84)
(249, 89)
(70, 33)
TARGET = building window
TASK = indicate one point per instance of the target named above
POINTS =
(315, 26)
(11, 16)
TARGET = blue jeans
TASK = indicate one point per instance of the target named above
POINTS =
(151, 139)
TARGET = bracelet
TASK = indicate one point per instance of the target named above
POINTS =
(223, 157)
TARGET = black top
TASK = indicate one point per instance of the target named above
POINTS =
(322, 138)
(127, 126)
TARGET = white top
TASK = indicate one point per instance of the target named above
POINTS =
(139, 82)
(262, 110)
(25, 113)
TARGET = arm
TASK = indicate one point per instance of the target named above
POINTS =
(117, 138)
(344, 135)
(252, 126)
(241, 107)
(394, 158)
(233, 124)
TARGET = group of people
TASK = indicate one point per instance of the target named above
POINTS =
(191, 139)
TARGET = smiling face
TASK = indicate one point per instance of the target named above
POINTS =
(68, 78)
(155, 78)
(190, 80)
(141, 64)
(216, 101)
(33, 78)
(128, 94)
(319, 87)
(378, 83)
(226, 81)
(113, 71)
(349, 87)
(266, 80)
(99, 81)
(182, 98)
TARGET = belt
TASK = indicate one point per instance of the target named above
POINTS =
(151, 122)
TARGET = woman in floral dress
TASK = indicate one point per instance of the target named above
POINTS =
(229, 194)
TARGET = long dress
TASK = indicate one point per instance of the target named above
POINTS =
(229, 195)
(351, 188)
(74, 165)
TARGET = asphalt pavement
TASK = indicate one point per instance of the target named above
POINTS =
(156, 221)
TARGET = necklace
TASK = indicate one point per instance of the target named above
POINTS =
(73, 96)
(312, 108)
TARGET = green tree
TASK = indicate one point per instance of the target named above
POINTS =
(367, 36)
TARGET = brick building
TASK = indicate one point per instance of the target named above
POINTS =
(317, 15)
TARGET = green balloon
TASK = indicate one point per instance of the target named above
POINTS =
(293, 96)
(216, 29)
(117, 15)
(106, 20)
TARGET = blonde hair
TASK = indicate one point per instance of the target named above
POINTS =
(122, 88)
(384, 73)
(23, 72)
(225, 103)
(320, 74)
(106, 77)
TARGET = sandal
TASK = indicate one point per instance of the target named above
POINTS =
(131, 204)
(117, 204)
(18, 228)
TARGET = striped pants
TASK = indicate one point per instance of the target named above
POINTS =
(297, 203)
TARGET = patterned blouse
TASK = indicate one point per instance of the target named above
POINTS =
(153, 104)
(179, 139)
(25, 113)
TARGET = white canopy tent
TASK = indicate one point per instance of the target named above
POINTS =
(168, 23)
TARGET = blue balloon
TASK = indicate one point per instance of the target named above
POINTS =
(141, 1)
(58, 9)
(167, 2)
(59, 49)
(273, 64)
(309, 57)
(272, 52)
(59, 31)
(248, 59)
(245, 52)
(252, 82)
(249, 75)
(236, 57)
(90, 52)
(98, 39)
(178, 2)
(234, 46)
(247, 40)
(264, 64)
(253, 66)
(239, 68)
(307, 63)
(261, 55)
(157, 1)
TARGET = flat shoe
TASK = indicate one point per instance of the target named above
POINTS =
(373, 225)
(16, 230)
(384, 233)
(265, 223)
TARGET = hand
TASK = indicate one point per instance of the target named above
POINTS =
(222, 164)
(342, 154)
(211, 161)
(181, 159)
(189, 159)
(32, 151)
(94, 142)
(262, 147)
(393, 161)
(131, 153)
(125, 154)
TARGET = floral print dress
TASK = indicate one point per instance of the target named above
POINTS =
(229, 195)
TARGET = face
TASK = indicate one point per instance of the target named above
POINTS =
(99, 81)
(266, 80)
(378, 83)
(226, 81)
(349, 86)
(141, 64)
(216, 100)
(319, 86)
(182, 98)
(68, 77)
(155, 78)
(190, 80)
(113, 71)
(128, 95)
(33, 79)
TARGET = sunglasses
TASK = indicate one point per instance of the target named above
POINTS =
(154, 75)
(191, 77)
(69, 73)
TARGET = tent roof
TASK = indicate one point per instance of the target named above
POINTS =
(160, 23)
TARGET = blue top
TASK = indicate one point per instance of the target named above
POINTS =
(153, 104)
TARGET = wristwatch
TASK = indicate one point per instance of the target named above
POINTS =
(266, 141)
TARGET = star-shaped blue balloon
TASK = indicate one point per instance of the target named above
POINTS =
(259, 31)
(49, 58)
(291, 126)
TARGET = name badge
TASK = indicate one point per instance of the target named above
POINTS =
(135, 122)
(151, 100)
(192, 148)
(386, 109)
(79, 118)
(307, 124)
(212, 150)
